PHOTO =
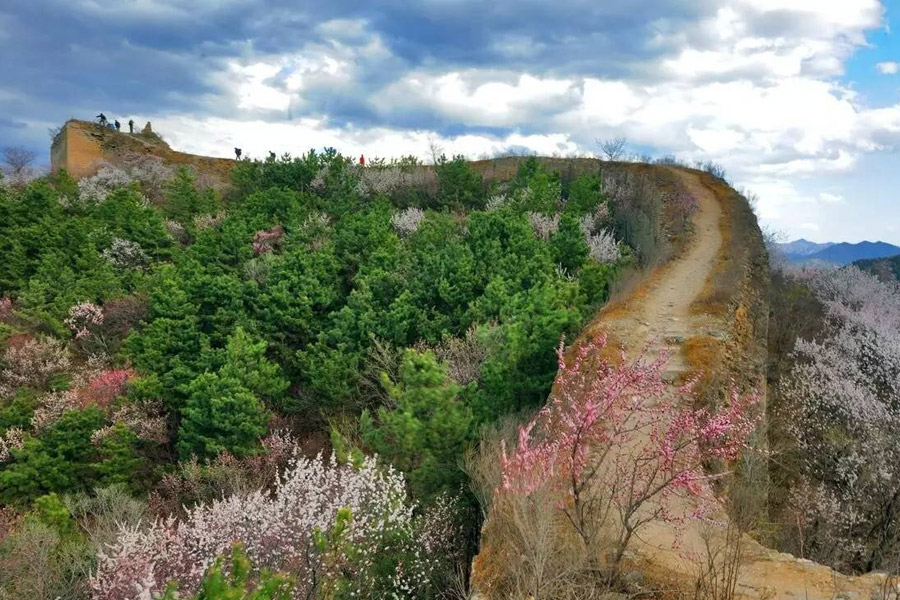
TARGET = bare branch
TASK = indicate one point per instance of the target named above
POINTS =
(17, 158)
(613, 148)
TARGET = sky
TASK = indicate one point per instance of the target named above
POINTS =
(799, 100)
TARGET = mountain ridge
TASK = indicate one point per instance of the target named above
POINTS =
(835, 253)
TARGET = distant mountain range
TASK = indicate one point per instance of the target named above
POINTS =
(830, 253)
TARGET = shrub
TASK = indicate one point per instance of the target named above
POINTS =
(407, 222)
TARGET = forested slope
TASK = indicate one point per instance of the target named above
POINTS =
(164, 345)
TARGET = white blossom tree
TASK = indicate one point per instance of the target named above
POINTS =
(841, 400)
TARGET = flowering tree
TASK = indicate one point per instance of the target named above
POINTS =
(82, 317)
(464, 356)
(496, 202)
(125, 254)
(266, 240)
(682, 204)
(178, 231)
(544, 225)
(620, 450)
(208, 221)
(91, 384)
(6, 309)
(603, 247)
(31, 362)
(840, 401)
(106, 386)
(407, 221)
(316, 507)
(602, 244)
(12, 439)
(95, 189)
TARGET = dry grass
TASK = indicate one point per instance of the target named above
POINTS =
(704, 355)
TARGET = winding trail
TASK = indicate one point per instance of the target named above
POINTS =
(658, 315)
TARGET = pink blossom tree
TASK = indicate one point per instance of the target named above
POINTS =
(266, 240)
(620, 450)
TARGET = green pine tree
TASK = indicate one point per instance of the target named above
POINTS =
(185, 200)
(238, 582)
(568, 243)
(220, 415)
(428, 428)
(246, 362)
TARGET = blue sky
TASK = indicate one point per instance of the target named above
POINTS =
(799, 99)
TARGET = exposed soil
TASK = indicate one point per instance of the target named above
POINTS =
(662, 314)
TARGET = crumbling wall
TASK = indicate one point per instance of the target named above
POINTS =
(81, 147)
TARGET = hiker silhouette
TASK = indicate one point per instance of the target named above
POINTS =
(237, 153)
(102, 118)
(362, 160)
(118, 125)
(131, 125)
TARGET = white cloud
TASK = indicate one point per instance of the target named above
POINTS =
(468, 99)
(754, 85)
(257, 138)
(888, 68)
(830, 198)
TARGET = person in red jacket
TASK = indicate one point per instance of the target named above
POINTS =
(362, 160)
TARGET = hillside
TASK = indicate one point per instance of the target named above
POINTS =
(171, 342)
(840, 254)
(706, 314)
(886, 269)
(168, 347)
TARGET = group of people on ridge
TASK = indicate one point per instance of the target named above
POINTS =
(104, 122)
(115, 125)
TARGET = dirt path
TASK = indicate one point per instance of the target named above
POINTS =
(658, 315)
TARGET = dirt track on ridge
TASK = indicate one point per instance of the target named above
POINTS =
(659, 315)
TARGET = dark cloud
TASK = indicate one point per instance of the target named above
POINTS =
(74, 58)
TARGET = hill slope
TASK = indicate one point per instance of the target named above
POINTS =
(886, 269)
(706, 297)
